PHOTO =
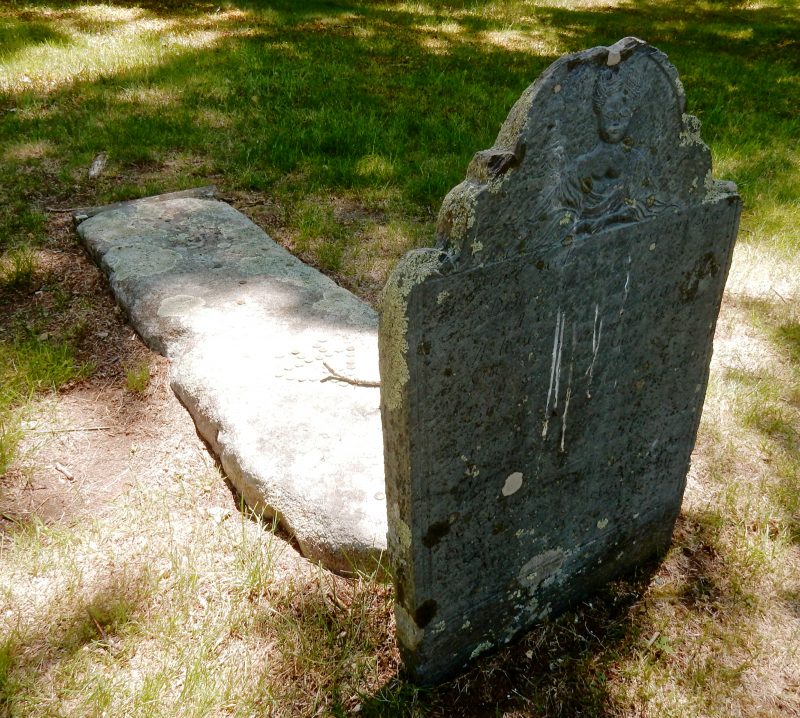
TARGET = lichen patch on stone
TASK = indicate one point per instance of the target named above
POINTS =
(139, 260)
(412, 270)
(481, 648)
(690, 135)
(457, 215)
(403, 533)
(541, 567)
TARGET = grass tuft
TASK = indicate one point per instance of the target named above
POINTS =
(17, 270)
(137, 378)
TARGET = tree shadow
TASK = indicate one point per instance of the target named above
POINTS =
(333, 82)
(337, 101)
(95, 618)
(18, 35)
(571, 665)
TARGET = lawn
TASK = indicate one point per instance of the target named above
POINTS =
(339, 127)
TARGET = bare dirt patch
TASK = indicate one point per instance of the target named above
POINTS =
(89, 442)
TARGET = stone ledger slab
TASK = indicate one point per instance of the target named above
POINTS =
(249, 329)
(544, 367)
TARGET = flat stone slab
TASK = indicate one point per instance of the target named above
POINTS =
(252, 332)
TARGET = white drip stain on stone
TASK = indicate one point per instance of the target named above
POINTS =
(597, 333)
(555, 369)
(569, 390)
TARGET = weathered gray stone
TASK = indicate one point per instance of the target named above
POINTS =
(249, 329)
(544, 367)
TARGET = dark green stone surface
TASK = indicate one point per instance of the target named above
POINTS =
(544, 367)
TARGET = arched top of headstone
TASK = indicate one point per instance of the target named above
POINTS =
(600, 139)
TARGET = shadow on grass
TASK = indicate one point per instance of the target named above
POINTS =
(62, 629)
(334, 654)
(297, 98)
(596, 659)
(774, 410)
(17, 35)
(388, 104)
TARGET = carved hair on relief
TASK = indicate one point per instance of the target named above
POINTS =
(617, 91)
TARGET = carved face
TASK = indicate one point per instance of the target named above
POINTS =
(614, 116)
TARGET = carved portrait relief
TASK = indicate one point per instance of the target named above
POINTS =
(611, 183)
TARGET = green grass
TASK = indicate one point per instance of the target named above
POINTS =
(380, 103)
(339, 125)
(29, 364)
(137, 378)
(18, 270)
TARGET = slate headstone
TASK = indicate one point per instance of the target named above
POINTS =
(544, 367)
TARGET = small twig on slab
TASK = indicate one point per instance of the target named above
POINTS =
(69, 431)
(65, 471)
(346, 379)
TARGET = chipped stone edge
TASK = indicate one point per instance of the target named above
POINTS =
(717, 190)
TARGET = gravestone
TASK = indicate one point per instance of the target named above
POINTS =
(544, 367)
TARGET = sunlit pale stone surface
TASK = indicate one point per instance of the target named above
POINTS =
(249, 329)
